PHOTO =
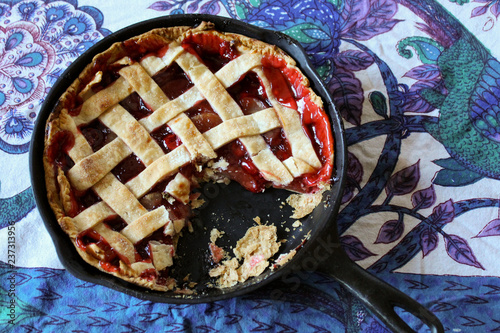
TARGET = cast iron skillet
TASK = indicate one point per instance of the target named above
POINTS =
(231, 209)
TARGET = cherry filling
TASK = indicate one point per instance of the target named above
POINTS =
(173, 81)
(115, 223)
(167, 139)
(84, 199)
(110, 260)
(97, 134)
(58, 151)
(280, 87)
(249, 93)
(128, 168)
(142, 247)
(136, 106)
(203, 116)
(241, 168)
(276, 139)
(213, 51)
(286, 85)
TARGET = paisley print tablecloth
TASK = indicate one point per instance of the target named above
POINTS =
(417, 83)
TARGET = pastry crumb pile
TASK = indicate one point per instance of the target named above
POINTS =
(252, 254)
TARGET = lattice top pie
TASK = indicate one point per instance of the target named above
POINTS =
(152, 117)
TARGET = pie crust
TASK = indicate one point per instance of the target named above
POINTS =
(152, 117)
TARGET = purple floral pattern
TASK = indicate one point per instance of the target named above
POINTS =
(492, 5)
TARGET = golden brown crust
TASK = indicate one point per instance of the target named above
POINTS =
(58, 182)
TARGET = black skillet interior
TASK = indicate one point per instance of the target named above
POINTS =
(228, 207)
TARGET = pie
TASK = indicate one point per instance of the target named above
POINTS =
(153, 117)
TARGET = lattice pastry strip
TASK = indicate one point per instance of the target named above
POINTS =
(146, 224)
(144, 85)
(132, 133)
(93, 168)
(245, 126)
(163, 167)
(96, 104)
(93, 215)
(299, 143)
(172, 109)
(119, 198)
(195, 143)
(153, 64)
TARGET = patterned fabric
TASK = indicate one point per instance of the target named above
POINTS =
(417, 85)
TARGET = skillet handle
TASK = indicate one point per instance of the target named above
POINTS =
(380, 297)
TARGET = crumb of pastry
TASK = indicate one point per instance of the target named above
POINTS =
(257, 220)
(259, 239)
(226, 272)
(296, 224)
(284, 258)
(221, 164)
(223, 180)
(304, 204)
(197, 203)
(184, 291)
(216, 252)
(254, 249)
(215, 234)
(212, 172)
(178, 225)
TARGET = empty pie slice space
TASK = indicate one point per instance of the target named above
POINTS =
(153, 117)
